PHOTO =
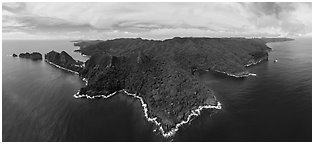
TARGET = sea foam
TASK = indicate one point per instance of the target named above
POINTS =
(62, 67)
(233, 75)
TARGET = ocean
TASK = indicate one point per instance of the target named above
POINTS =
(38, 102)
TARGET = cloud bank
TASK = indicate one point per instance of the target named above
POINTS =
(154, 20)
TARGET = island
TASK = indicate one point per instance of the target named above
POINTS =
(33, 56)
(14, 55)
(161, 73)
(64, 60)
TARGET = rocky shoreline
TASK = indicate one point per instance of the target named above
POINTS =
(255, 62)
(240, 75)
(60, 67)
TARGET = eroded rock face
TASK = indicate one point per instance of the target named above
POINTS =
(64, 60)
(33, 56)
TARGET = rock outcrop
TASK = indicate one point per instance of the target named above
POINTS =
(33, 56)
(14, 55)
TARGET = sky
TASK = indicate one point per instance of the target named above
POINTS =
(154, 20)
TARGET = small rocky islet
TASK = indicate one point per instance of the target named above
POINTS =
(33, 56)
(162, 73)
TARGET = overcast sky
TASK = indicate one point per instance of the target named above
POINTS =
(154, 20)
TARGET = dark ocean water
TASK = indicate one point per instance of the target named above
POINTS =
(38, 103)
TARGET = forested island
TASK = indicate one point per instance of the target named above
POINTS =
(33, 56)
(162, 73)
(64, 60)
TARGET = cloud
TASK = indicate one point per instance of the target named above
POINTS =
(290, 18)
(159, 20)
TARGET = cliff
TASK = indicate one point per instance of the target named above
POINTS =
(64, 60)
(33, 56)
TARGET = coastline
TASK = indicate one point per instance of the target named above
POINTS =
(254, 63)
(243, 74)
(237, 76)
(81, 53)
(61, 67)
(233, 75)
